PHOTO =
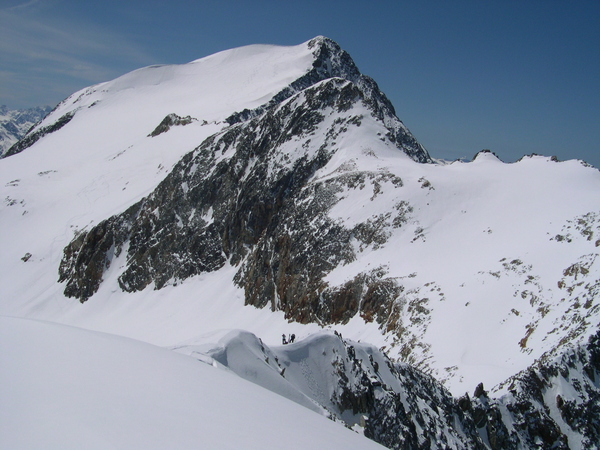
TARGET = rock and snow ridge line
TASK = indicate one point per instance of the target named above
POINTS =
(553, 404)
(14, 124)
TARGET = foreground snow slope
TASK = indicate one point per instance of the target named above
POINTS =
(63, 387)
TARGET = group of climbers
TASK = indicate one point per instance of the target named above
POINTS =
(288, 340)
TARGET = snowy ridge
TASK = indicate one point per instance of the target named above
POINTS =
(552, 404)
(68, 388)
(355, 383)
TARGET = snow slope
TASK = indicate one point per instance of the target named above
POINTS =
(487, 285)
(496, 262)
(63, 387)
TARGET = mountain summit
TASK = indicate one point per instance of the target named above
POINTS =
(317, 60)
(274, 190)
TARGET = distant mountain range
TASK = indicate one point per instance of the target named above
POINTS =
(15, 123)
(273, 190)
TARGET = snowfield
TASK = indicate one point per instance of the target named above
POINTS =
(68, 388)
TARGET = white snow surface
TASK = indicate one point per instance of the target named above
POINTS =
(477, 257)
(68, 388)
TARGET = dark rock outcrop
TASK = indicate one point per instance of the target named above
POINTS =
(170, 121)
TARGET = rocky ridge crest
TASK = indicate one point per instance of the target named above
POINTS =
(551, 405)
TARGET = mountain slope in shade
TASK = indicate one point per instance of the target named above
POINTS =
(63, 387)
(273, 189)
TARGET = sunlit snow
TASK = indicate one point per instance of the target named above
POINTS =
(63, 387)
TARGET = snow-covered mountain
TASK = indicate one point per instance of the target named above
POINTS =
(15, 123)
(273, 190)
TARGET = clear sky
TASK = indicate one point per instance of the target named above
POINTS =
(515, 77)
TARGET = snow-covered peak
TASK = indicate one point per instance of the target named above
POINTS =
(272, 189)
(487, 156)
(213, 87)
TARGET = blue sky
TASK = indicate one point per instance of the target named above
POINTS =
(516, 77)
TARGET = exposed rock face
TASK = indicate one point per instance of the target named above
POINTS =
(170, 121)
(247, 196)
(420, 415)
(96, 249)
